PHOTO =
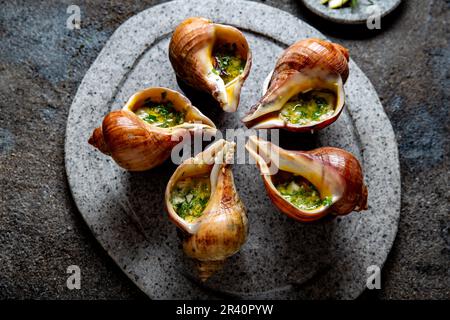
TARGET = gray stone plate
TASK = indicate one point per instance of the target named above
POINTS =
(282, 258)
(356, 15)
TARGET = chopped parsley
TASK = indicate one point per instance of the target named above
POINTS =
(163, 115)
(302, 194)
(314, 105)
(190, 197)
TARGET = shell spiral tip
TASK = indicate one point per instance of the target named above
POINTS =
(96, 140)
(207, 268)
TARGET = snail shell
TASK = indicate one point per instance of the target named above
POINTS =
(191, 54)
(222, 228)
(335, 173)
(306, 65)
(137, 145)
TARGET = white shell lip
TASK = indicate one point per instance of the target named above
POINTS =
(216, 156)
(230, 101)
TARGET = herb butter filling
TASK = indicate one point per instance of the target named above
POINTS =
(162, 115)
(315, 105)
(190, 196)
(302, 194)
(227, 63)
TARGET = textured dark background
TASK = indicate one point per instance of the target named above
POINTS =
(42, 63)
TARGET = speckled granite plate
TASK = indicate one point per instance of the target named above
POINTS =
(282, 258)
(356, 15)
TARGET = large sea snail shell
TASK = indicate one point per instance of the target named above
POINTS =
(310, 64)
(335, 173)
(137, 145)
(192, 54)
(221, 229)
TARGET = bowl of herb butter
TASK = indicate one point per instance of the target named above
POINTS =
(351, 11)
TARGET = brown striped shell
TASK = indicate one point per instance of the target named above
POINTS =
(136, 145)
(222, 228)
(333, 171)
(190, 52)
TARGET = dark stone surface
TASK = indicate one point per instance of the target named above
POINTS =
(42, 63)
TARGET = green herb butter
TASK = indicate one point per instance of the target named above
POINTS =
(302, 194)
(163, 115)
(227, 64)
(315, 105)
(190, 196)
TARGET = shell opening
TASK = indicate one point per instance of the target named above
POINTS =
(229, 56)
(167, 109)
(160, 114)
(230, 60)
(300, 192)
(190, 196)
(305, 100)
